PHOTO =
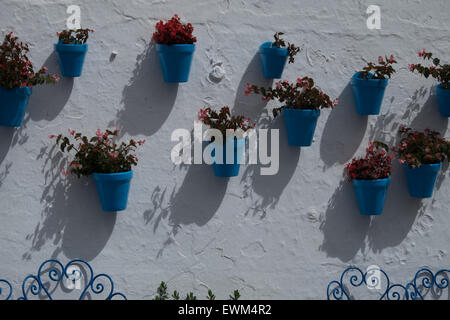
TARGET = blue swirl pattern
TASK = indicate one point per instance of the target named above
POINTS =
(424, 281)
(52, 273)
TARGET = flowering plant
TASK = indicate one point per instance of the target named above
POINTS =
(437, 70)
(381, 71)
(299, 95)
(16, 70)
(377, 164)
(223, 120)
(99, 154)
(417, 148)
(174, 32)
(279, 43)
(78, 36)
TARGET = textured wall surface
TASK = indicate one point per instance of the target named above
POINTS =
(274, 237)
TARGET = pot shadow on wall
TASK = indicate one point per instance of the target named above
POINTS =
(344, 228)
(10, 137)
(194, 202)
(48, 100)
(72, 218)
(147, 100)
(251, 106)
(343, 131)
(264, 191)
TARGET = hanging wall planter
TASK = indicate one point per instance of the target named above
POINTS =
(113, 189)
(17, 77)
(274, 56)
(300, 126)
(422, 154)
(421, 180)
(71, 50)
(225, 169)
(368, 94)
(441, 73)
(107, 161)
(370, 177)
(370, 195)
(175, 61)
(443, 97)
(225, 123)
(13, 104)
(302, 107)
(175, 47)
(368, 86)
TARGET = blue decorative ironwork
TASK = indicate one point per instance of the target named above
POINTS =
(424, 281)
(5, 284)
(72, 274)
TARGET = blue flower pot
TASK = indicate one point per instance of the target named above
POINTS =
(175, 61)
(224, 169)
(273, 60)
(371, 195)
(300, 126)
(113, 189)
(368, 94)
(443, 96)
(71, 58)
(13, 104)
(421, 180)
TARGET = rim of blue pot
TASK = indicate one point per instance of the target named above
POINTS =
(306, 112)
(356, 80)
(267, 48)
(187, 47)
(441, 91)
(380, 182)
(71, 47)
(24, 91)
(439, 165)
(127, 175)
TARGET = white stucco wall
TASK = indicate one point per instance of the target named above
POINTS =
(272, 237)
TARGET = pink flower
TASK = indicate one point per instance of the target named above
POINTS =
(44, 69)
(114, 154)
(422, 53)
(64, 172)
(99, 133)
(141, 142)
(335, 102)
(380, 59)
(412, 67)
(71, 132)
(51, 136)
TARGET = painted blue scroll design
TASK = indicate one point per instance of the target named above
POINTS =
(53, 272)
(423, 281)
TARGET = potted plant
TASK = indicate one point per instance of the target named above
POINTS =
(17, 77)
(370, 177)
(421, 154)
(302, 102)
(274, 56)
(107, 161)
(71, 50)
(225, 122)
(441, 72)
(369, 85)
(175, 47)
